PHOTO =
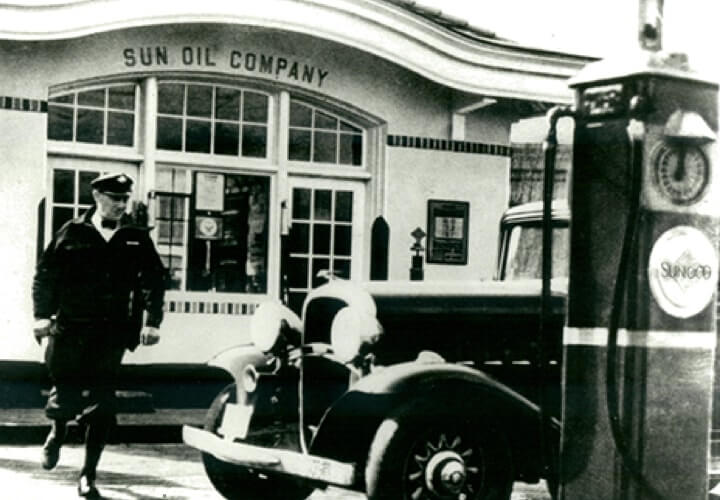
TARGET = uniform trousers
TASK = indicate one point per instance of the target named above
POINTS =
(83, 364)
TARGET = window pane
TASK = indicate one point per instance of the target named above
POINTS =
(350, 149)
(346, 127)
(60, 216)
(299, 238)
(325, 147)
(85, 195)
(321, 239)
(341, 268)
(255, 107)
(325, 121)
(299, 145)
(92, 98)
(60, 123)
(197, 136)
(163, 233)
(174, 265)
(90, 126)
(170, 233)
(199, 100)
(65, 99)
(180, 181)
(323, 199)
(254, 141)
(227, 141)
(343, 206)
(227, 104)
(301, 204)
(343, 238)
(170, 98)
(163, 179)
(300, 115)
(170, 207)
(121, 129)
(319, 265)
(169, 133)
(298, 273)
(63, 186)
(122, 97)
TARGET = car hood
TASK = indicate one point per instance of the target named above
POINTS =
(464, 297)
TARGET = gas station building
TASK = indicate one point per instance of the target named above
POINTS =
(344, 124)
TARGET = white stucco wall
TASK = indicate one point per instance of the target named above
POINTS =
(22, 187)
(415, 176)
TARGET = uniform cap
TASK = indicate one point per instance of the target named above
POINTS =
(113, 183)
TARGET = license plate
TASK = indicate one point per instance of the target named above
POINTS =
(319, 468)
(236, 421)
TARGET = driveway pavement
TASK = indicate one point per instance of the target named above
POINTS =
(138, 472)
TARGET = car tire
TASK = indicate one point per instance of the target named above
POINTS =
(421, 454)
(235, 482)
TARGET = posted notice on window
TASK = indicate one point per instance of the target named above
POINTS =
(209, 191)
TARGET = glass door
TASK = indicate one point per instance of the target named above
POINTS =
(326, 235)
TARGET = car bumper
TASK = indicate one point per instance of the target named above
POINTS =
(297, 464)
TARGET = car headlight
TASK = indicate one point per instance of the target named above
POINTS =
(352, 331)
(271, 321)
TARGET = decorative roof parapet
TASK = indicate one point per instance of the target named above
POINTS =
(439, 47)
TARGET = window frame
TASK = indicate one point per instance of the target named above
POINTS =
(74, 144)
(212, 120)
(332, 168)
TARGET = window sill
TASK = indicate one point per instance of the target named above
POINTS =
(329, 171)
(99, 151)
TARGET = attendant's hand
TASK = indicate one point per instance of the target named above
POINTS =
(41, 328)
(149, 336)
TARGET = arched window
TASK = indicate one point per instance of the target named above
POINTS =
(319, 136)
(104, 115)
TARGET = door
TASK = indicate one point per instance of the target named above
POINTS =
(326, 234)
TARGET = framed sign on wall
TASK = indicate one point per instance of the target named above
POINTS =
(447, 232)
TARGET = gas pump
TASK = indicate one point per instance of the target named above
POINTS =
(640, 336)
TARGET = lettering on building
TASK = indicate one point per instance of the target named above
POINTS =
(245, 62)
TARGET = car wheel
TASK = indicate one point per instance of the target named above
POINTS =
(240, 483)
(414, 455)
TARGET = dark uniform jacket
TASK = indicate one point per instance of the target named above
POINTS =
(88, 283)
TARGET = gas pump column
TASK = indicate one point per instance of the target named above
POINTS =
(640, 337)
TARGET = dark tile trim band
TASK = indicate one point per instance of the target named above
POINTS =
(408, 141)
(22, 104)
(202, 307)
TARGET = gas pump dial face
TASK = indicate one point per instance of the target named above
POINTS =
(681, 172)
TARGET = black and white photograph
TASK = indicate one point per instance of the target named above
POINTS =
(359, 250)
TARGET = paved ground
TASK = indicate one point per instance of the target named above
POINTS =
(137, 472)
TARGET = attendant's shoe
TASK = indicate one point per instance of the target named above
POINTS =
(51, 448)
(86, 488)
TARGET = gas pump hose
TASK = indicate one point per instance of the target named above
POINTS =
(618, 301)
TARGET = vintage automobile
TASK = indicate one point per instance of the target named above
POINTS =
(412, 390)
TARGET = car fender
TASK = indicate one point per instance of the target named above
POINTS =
(235, 359)
(354, 418)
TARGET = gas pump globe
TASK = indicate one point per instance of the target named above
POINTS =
(640, 337)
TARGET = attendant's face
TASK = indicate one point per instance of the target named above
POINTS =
(110, 206)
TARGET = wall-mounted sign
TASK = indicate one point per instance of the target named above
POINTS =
(447, 241)
(208, 228)
(683, 271)
(209, 191)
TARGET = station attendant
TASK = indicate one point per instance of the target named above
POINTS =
(98, 290)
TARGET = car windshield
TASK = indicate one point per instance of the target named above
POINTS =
(524, 252)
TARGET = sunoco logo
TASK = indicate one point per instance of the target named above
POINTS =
(683, 271)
